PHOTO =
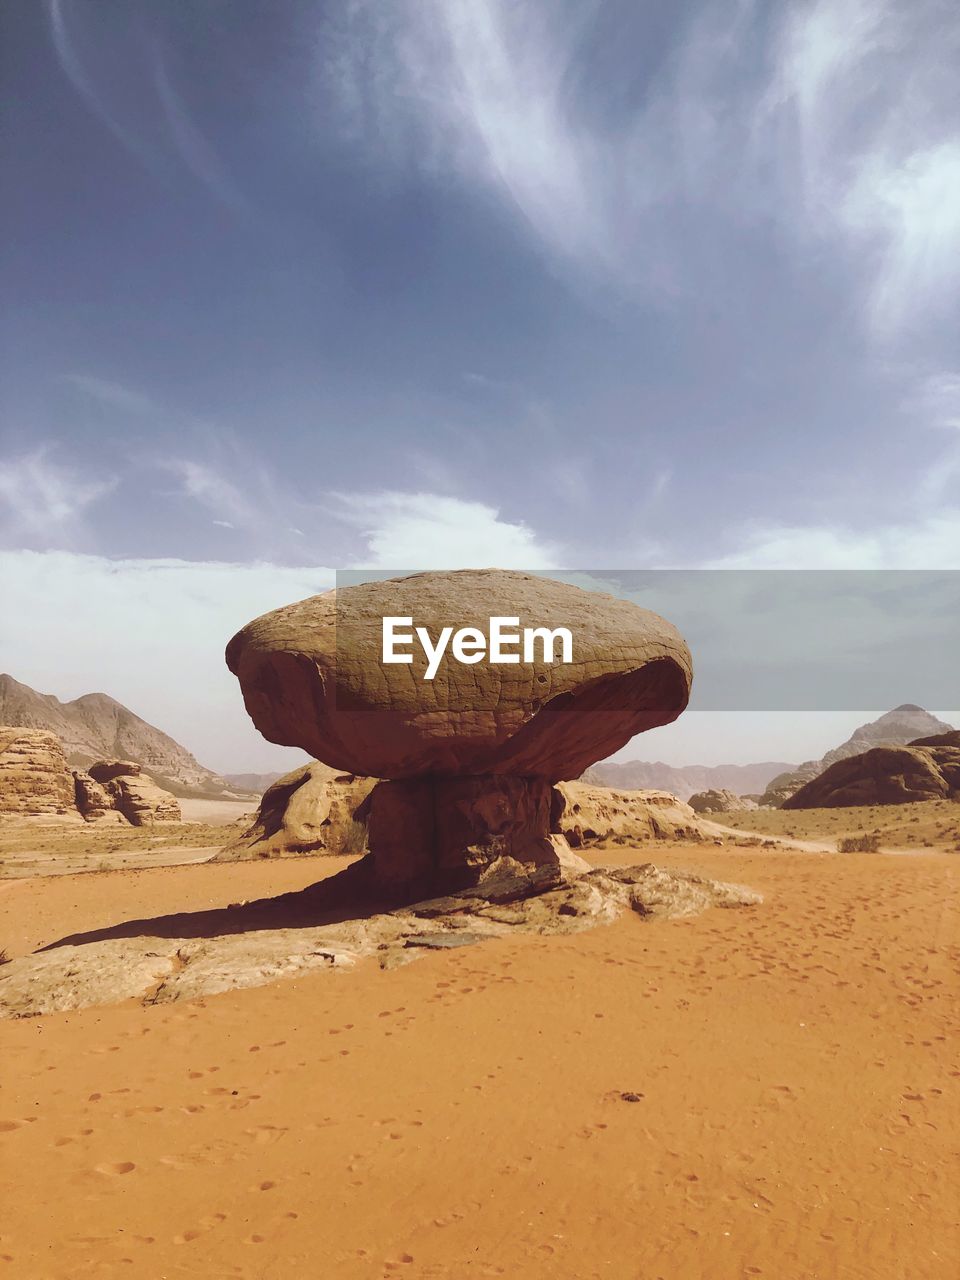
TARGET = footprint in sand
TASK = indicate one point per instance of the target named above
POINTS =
(117, 1169)
(186, 1236)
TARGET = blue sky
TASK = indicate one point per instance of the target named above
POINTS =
(297, 286)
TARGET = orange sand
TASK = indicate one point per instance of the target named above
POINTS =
(462, 1117)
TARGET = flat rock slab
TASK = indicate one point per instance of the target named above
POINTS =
(135, 963)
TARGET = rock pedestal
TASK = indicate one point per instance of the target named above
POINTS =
(445, 834)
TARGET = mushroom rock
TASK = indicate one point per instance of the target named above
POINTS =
(469, 757)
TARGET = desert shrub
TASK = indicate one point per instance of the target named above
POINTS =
(4, 958)
(355, 838)
(858, 844)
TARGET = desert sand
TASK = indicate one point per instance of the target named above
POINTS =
(770, 1091)
(928, 824)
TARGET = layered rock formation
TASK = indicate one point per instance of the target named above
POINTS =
(470, 757)
(601, 816)
(34, 778)
(719, 800)
(37, 782)
(927, 769)
(93, 801)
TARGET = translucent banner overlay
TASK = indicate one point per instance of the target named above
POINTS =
(771, 640)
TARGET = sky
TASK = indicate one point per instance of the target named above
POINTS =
(440, 283)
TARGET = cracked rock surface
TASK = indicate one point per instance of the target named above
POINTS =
(312, 676)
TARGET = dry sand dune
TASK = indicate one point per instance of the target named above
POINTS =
(769, 1092)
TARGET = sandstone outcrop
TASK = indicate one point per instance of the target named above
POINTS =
(93, 801)
(315, 809)
(602, 816)
(903, 725)
(134, 793)
(34, 778)
(311, 810)
(928, 769)
(36, 782)
(719, 800)
(469, 757)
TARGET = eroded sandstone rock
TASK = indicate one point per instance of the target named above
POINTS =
(34, 778)
(313, 809)
(312, 677)
(719, 800)
(928, 769)
(93, 801)
(134, 794)
(469, 756)
(598, 816)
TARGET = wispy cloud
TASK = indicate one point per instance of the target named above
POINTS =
(227, 503)
(113, 394)
(938, 400)
(834, 120)
(930, 542)
(129, 104)
(43, 502)
(74, 68)
(428, 531)
(195, 150)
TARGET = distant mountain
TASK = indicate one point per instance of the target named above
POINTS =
(97, 727)
(686, 780)
(893, 729)
(257, 782)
